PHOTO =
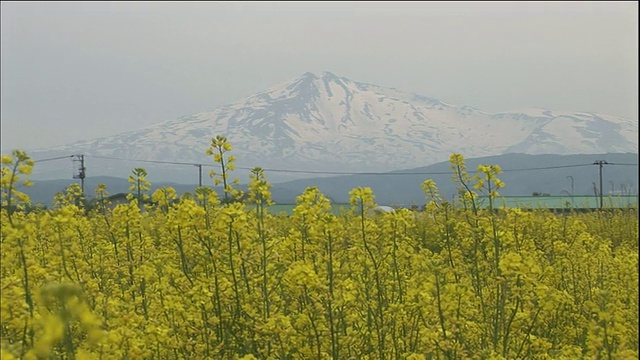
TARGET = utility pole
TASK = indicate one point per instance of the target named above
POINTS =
(572, 203)
(600, 162)
(81, 172)
(199, 174)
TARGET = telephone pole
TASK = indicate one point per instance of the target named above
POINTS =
(600, 163)
(81, 172)
(572, 202)
(199, 174)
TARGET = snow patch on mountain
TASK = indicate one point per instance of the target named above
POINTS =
(328, 123)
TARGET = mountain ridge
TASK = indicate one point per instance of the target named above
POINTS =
(329, 122)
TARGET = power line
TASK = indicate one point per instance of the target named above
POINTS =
(147, 161)
(346, 173)
(411, 173)
(337, 172)
(548, 167)
(623, 164)
(161, 162)
(51, 159)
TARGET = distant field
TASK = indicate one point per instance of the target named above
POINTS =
(561, 202)
(525, 202)
(287, 209)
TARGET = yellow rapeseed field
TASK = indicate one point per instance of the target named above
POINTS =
(203, 276)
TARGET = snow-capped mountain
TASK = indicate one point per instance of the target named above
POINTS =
(324, 122)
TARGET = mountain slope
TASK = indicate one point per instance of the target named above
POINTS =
(326, 122)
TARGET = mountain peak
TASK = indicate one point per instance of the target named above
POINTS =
(328, 75)
(320, 121)
(324, 75)
(307, 76)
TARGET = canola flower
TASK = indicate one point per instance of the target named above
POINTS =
(196, 276)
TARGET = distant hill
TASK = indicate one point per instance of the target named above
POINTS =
(523, 175)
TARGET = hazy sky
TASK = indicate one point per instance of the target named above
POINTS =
(79, 70)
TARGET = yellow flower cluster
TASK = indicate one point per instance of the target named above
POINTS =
(198, 277)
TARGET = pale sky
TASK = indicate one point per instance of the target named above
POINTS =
(75, 71)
